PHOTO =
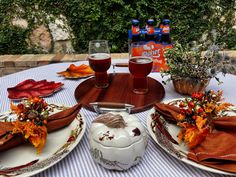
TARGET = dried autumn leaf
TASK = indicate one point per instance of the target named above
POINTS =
(35, 134)
(198, 137)
(77, 71)
(31, 88)
(222, 106)
(200, 122)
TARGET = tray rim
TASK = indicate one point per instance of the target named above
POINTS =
(133, 110)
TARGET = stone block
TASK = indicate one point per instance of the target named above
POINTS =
(1, 72)
(64, 46)
(41, 38)
(26, 61)
(11, 70)
(9, 63)
(41, 63)
(57, 58)
(10, 60)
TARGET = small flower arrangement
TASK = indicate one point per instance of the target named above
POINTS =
(31, 121)
(191, 67)
(197, 62)
(196, 115)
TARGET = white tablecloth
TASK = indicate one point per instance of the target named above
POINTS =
(156, 162)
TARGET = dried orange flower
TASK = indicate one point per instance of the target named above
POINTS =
(180, 117)
(222, 106)
(36, 135)
(31, 121)
(196, 114)
(200, 122)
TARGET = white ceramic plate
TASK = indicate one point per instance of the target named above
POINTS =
(78, 77)
(178, 151)
(59, 144)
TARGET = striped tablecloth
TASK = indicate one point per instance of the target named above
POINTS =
(156, 162)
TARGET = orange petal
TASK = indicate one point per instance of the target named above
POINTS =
(77, 71)
(72, 67)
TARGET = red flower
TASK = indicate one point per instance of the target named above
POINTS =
(189, 111)
(191, 104)
(200, 110)
(181, 104)
(197, 95)
(183, 111)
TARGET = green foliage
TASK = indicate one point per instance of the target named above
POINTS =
(197, 61)
(110, 19)
(12, 40)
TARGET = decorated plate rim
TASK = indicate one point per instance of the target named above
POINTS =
(34, 167)
(175, 150)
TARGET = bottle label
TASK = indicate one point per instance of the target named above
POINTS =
(150, 30)
(154, 50)
(135, 30)
(165, 29)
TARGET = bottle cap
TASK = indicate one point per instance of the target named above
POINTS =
(166, 21)
(135, 22)
(150, 21)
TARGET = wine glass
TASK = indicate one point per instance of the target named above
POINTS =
(140, 65)
(100, 61)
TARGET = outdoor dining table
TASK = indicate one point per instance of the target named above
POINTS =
(156, 162)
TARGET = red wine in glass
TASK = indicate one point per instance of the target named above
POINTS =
(100, 63)
(140, 67)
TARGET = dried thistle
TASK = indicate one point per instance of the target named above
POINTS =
(195, 61)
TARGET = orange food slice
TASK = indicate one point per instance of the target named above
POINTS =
(77, 71)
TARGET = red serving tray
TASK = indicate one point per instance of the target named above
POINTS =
(119, 91)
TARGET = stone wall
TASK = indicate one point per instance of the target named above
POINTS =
(14, 63)
(55, 37)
